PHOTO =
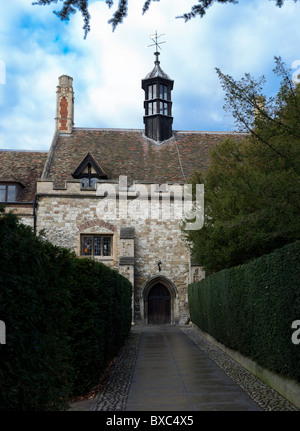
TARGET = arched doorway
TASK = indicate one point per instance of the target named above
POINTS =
(159, 301)
(159, 305)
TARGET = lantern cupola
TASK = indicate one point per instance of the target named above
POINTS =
(158, 103)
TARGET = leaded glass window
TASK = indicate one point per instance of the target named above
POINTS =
(87, 245)
(96, 245)
(106, 246)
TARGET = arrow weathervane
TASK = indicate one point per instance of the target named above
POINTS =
(156, 43)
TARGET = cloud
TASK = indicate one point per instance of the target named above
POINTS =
(107, 67)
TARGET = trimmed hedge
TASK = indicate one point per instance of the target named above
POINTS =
(101, 320)
(250, 308)
(65, 318)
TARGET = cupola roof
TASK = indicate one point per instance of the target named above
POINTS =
(157, 71)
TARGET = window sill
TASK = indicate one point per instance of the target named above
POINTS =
(87, 189)
(98, 258)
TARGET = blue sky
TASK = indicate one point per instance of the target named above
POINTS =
(107, 67)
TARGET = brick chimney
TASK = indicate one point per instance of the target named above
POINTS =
(64, 120)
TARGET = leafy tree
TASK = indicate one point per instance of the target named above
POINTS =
(71, 6)
(252, 185)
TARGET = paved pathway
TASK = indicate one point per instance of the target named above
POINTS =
(172, 374)
(173, 368)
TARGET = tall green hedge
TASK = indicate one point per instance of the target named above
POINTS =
(65, 319)
(250, 308)
(101, 320)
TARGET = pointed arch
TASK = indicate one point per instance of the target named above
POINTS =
(170, 296)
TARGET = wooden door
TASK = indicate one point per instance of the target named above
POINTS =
(159, 305)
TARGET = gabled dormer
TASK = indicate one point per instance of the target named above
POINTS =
(89, 171)
(158, 103)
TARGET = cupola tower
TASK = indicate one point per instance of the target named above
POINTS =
(158, 103)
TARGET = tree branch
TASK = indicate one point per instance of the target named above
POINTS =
(70, 7)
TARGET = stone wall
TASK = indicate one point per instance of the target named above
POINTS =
(24, 213)
(138, 242)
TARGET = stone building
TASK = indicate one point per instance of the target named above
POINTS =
(110, 195)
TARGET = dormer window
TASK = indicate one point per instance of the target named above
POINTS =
(88, 182)
(89, 177)
(9, 192)
(89, 171)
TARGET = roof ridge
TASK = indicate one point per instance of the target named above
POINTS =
(108, 129)
(211, 132)
(202, 132)
(23, 151)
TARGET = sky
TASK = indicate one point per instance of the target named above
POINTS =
(107, 67)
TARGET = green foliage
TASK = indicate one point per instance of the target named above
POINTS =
(65, 318)
(35, 306)
(250, 308)
(252, 185)
(101, 303)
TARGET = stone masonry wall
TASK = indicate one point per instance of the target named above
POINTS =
(64, 216)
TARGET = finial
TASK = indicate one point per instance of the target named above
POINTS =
(156, 43)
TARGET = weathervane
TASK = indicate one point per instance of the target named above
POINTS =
(156, 43)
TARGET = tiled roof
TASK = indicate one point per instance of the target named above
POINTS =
(128, 152)
(118, 151)
(24, 167)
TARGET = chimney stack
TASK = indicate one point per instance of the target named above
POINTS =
(64, 120)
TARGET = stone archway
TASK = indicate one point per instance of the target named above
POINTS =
(159, 297)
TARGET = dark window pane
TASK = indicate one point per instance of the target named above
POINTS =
(93, 182)
(2, 193)
(97, 246)
(87, 243)
(106, 246)
(11, 193)
(163, 93)
(152, 91)
(85, 182)
(163, 108)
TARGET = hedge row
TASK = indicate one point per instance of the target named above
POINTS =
(101, 320)
(250, 308)
(65, 318)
